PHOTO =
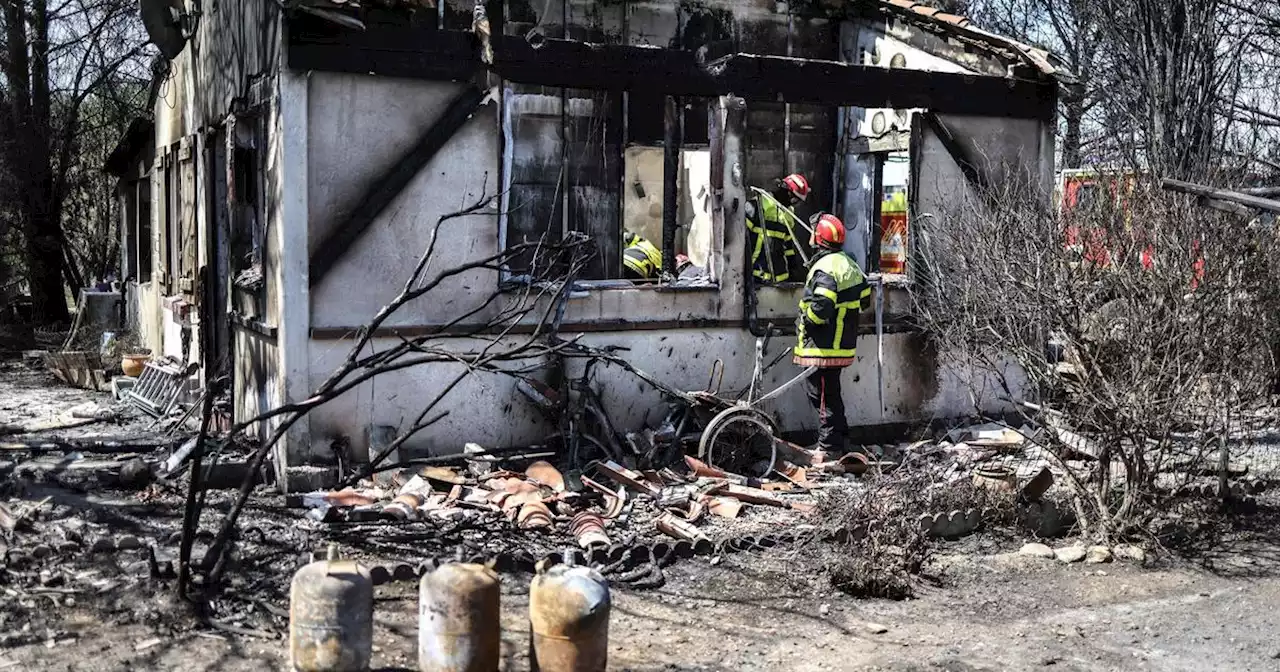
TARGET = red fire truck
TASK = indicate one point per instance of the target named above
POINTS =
(1085, 188)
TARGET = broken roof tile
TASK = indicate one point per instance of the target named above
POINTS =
(954, 19)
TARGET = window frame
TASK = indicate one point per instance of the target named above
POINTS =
(673, 126)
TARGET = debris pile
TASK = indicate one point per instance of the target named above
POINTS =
(608, 514)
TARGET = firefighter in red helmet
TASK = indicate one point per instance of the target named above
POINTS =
(771, 230)
(835, 292)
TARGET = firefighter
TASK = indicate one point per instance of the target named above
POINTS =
(640, 258)
(772, 262)
(834, 293)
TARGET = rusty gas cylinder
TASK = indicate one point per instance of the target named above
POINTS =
(569, 620)
(331, 617)
(459, 627)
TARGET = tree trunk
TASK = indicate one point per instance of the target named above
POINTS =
(42, 223)
(1073, 118)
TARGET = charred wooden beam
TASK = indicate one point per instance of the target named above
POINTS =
(405, 51)
(801, 80)
(670, 181)
(388, 186)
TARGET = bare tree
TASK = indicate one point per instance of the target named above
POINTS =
(1140, 346)
(55, 59)
(1073, 30)
(545, 273)
(1175, 87)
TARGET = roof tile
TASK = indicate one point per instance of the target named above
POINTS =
(954, 19)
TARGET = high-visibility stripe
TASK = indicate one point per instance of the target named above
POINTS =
(642, 257)
(819, 352)
(775, 227)
(841, 311)
(813, 317)
(764, 275)
(852, 292)
(636, 265)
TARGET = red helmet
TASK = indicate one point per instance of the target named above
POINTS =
(797, 185)
(828, 232)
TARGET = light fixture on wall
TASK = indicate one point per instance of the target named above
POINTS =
(878, 123)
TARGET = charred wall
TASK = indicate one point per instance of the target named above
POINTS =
(565, 147)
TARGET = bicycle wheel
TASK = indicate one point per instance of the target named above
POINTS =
(737, 440)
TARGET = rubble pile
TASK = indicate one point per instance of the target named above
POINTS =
(603, 512)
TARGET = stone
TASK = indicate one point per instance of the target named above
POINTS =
(876, 628)
(1130, 553)
(136, 473)
(1037, 551)
(824, 609)
(1096, 555)
(1070, 554)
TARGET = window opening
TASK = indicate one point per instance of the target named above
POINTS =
(142, 241)
(893, 213)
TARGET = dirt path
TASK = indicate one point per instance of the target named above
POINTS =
(1002, 612)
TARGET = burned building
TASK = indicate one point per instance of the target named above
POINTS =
(299, 156)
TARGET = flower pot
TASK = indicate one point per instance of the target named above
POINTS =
(133, 363)
(1000, 479)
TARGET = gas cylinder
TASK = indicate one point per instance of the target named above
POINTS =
(459, 627)
(569, 620)
(331, 617)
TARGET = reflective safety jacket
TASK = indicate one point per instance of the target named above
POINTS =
(641, 257)
(782, 248)
(834, 294)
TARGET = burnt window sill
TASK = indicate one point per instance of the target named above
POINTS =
(584, 288)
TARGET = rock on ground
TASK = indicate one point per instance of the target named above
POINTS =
(1130, 552)
(1070, 554)
(1098, 555)
(1037, 551)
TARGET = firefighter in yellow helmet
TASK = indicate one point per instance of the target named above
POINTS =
(771, 232)
(834, 293)
(641, 260)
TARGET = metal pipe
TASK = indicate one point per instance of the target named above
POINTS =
(404, 572)
(599, 555)
(617, 552)
(662, 553)
(785, 386)
(880, 343)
